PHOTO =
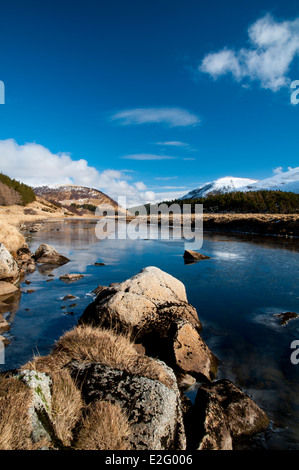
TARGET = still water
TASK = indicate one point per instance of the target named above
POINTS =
(236, 293)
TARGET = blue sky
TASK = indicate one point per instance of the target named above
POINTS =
(147, 98)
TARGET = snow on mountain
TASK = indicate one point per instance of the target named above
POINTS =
(288, 181)
(219, 186)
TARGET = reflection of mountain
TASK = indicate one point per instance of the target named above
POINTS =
(70, 194)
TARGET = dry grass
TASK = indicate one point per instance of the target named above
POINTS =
(15, 422)
(88, 344)
(67, 405)
(105, 427)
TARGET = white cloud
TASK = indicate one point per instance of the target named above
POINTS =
(147, 156)
(273, 46)
(278, 170)
(172, 117)
(36, 165)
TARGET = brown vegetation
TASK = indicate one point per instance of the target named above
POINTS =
(105, 427)
(15, 424)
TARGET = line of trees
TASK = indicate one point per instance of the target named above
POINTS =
(26, 192)
(246, 202)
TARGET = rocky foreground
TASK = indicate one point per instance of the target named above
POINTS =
(117, 380)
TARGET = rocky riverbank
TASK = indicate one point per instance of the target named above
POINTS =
(117, 380)
(284, 225)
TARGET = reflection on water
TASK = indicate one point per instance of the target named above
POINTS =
(236, 293)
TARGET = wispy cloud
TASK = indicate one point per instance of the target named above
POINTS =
(172, 117)
(273, 46)
(165, 178)
(189, 159)
(278, 170)
(147, 156)
(173, 143)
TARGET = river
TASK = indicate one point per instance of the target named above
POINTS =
(237, 292)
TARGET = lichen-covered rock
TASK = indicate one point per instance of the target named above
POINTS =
(41, 407)
(9, 270)
(153, 409)
(222, 413)
(46, 254)
(149, 305)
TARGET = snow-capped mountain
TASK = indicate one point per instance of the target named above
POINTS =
(219, 186)
(288, 181)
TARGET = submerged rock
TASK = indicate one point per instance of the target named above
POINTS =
(153, 409)
(285, 317)
(71, 277)
(4, 325)
(46, 254)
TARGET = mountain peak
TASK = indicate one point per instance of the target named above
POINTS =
(221, 185)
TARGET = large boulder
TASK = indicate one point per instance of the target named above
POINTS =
(153, 307)
(9, 270)
(46, 254)
(153, 409)
(223, 413)
(7, 288)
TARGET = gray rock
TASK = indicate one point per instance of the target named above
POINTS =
(9, 270)
(40, 410)
(154, 410)
(150, 305)
(46, 254)
(222, 413)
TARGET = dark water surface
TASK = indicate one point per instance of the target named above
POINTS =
(236, 293)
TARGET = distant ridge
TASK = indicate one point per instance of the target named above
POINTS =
(287, 182)
(71, 194)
